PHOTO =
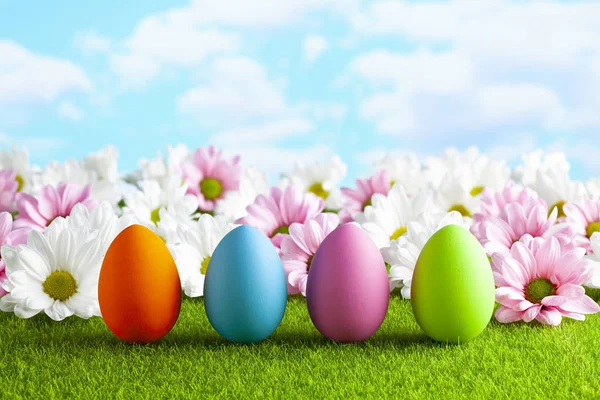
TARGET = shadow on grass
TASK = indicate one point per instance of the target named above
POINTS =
(103, 339)
(302, 340)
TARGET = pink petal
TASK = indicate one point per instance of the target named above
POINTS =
(523, 255)
(515, 217)
(552, 301)
(566, 262)
(549, 316)
(509, 296)
(506, 315)
(531, 313)
(547, 257)
(581, 305)
(570, 290)
(297, 233)
(523, 305)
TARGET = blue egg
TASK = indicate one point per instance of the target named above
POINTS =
(245, 290)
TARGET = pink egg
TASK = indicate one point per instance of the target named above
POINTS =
(347, 291)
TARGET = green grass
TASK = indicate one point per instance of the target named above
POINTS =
(40, 358)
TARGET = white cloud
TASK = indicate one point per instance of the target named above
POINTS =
(26, 77)
(586, 153)
(68, 110)
(515, 101)
(577, 149)
(272, 158)
(271, 131)
(371, 156)
(506, 31)
(259, 14)
(314, 46)
(185, 36)
(158, 41)
(417, 72)
(91, 41)
(323, 110)
(499, 63)
(237, 89)
(391, 112)
(408, 78)
(513, 147)
(35, 145)
(134, 69)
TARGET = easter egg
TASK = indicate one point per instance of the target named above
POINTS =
(347, 291)
(139, 289)
(245, 291)
(452, 291)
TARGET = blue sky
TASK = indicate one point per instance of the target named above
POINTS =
(302, 79)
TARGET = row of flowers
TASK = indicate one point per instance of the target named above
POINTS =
(540, 229)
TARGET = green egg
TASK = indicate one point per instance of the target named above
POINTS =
(452, 291)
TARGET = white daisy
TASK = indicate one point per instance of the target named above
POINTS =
(455, 194)
(173, 216)
(387, 217)
(252, 183)
(593, 188)
(56, 272)
(405, 169)
(18, 160)
(402, 254)
(556, 188)
(152, 202)
(102, 221)
(533, 162)
(594, 281)
(193, 249)
(161, 168)
(451, 161)
(72, 171)
(460, 189)
(103, 163)
(321, 179)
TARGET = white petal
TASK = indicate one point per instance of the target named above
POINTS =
(58, 311)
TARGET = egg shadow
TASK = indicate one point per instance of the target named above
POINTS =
(303, 340)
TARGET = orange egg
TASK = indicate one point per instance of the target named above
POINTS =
(139, 289)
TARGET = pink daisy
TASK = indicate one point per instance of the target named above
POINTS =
(499, 233)
(53, 201)
(540, 279)
(209, 176)
(584, 217)
(355, 200)
(492, 202)
(301, 245)
(11, 237)
(8, 189)
(274, 213)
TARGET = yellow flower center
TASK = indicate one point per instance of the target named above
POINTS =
(367, 203)
(211, 188)
(461, 209)
(560, 205)
(60, 285)
(398, 232)
(317, 188)
(20, 182)
(155, 216)
(204, 265)
(539, 288)
(476, 191)
(593, 228)
(284, 230)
